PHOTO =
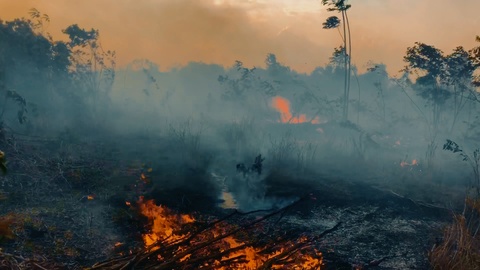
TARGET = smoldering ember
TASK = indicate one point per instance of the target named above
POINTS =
(204, 166)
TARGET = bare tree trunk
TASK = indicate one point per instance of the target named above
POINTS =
(345, 65)
(349, 58)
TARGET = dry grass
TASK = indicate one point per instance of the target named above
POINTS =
(460, 248)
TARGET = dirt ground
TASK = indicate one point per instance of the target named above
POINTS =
(66, 204)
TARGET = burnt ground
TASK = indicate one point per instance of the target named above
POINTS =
(48, 185)
(377, 225)
(380, 229)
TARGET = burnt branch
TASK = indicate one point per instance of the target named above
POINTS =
(222, 244)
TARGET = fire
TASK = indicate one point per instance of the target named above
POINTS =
(167, 226)
(404, 163)
(255, 259)
(165, 222)
(282, 105)
(90, 197)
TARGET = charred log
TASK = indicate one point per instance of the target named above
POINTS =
(204, 247)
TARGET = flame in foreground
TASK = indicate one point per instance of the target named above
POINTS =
(282, 105)
(228, 251)
(164, 224)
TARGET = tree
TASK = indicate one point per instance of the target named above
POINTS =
(247, 87)
(430, 67)
(334, 22)
(379, 81)
(27, 52)
(440, 77)
(459, 77)
(92, 67)
(474, 55)
(237, 89)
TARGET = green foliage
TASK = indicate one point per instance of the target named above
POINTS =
(441, 77)
(475, 58)
(437, 71)
(336, 5)
(39, 17)
(27, 52)
(331, 22)
(425, 57)
(81, 37)
(337, 60)
(460, 67)
(92, 70)
(78, 72)
(245, 83)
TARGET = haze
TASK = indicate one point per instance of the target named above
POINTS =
(209, 105)
(173, 33)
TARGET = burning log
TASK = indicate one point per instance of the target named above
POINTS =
(222, 244)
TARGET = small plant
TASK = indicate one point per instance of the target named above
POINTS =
(239, 136)
(306, 156)
(473, 161)
(282, 150)
(187, 139)
(255, 168)
(21, 102)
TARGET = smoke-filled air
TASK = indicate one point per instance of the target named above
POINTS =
(239, 135)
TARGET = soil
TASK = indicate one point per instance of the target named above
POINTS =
(377, 225)
(47, 188)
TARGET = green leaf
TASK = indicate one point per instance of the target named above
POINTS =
(331, 22)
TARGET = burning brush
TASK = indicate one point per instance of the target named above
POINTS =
(237, 241)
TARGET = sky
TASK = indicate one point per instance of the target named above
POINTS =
(173, 33)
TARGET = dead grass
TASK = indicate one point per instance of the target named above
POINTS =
(460, 248)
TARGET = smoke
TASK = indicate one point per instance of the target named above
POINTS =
(173, 33)
(208, 117)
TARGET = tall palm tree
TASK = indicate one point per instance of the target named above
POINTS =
(334, 22)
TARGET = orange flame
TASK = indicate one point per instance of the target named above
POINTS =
(166, 224)
(282, 105)
(91, 197)
(404, 163)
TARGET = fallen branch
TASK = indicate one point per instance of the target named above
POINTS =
(218, 245)
(16, 262)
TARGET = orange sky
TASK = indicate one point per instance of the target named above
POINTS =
(174, 32)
